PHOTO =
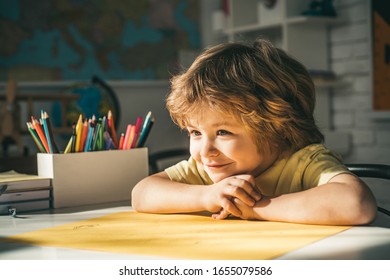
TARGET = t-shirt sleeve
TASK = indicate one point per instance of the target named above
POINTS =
(187, 172)
(324, 165)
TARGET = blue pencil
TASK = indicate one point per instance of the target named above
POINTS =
(89, 137)
(145, 133)
(47, 133)
(144, 128)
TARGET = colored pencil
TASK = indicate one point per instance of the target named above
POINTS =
(121, 140)
(46, 130)
(73, 138)
(145, 133)
(35, 137)
(137, 132)
(84, 134)
(79, 127)
(54, 146)
(95, 137)
(127, 135)
(131, 137)
(112, 130)
(91, 129)
(38, 128)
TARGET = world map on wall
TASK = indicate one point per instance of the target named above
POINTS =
(51, 40)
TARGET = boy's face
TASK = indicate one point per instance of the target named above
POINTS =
(224, 147)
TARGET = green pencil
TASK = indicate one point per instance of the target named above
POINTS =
(35, 137)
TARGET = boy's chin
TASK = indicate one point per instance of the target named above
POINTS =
(218, 177)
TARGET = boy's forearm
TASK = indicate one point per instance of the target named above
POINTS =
(158, 194)
(331, 204)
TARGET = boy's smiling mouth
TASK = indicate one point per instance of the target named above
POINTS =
(215, 165)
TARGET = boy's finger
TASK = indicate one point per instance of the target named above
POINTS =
(223, 214)
(242, 195)
(256, 195)
(229, 207)
(248, 185)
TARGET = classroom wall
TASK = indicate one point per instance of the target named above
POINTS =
(350, 52)
(352, 109)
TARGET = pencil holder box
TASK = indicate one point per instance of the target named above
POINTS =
(93, 177)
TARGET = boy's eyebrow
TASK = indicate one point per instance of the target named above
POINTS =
(218, 124)
(224, 123)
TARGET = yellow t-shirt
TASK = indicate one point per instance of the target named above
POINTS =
(309, 167)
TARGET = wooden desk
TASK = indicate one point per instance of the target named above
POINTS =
(361, 242)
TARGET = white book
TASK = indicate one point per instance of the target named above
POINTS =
(13, 196)
(25, 206)
(12, 180)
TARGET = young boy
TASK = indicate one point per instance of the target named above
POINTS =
(256, 152)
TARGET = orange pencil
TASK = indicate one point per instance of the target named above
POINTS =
(121, 140)
(84, 133)
(38, 128)
(127, 135)
(131, 137)
(111, 126)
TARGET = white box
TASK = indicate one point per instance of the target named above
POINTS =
(93, 177)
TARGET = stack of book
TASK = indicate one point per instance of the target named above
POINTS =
(23, 192)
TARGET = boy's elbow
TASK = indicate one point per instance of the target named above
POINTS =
(141, 199)
(366, 216)
(135, 198)
(365, 209)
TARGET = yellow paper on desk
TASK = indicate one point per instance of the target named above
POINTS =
(180, 236)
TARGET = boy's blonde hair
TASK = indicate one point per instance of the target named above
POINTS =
(271, 93)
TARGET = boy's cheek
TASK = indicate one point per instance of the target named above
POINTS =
(195, 154)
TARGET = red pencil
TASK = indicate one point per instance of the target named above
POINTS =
(41, 134)
(137, 132)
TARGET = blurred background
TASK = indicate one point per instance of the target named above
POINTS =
(71, 56)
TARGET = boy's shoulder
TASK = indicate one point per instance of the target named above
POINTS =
(315, 156)
(313, 151)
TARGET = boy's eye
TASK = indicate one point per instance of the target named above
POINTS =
(194, 133)
(223, 132)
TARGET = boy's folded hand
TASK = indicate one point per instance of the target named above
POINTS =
(223, 194)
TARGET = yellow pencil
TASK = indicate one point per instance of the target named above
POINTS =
(79, 127)
(68, 147)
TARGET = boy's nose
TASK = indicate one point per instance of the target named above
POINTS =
(208, 149)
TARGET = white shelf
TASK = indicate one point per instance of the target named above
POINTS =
(253, 27)
(61, 85)
(379, 116)
(289, 21)
(314, 20)
(330, 84)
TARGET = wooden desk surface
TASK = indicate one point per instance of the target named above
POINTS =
(362, 242)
